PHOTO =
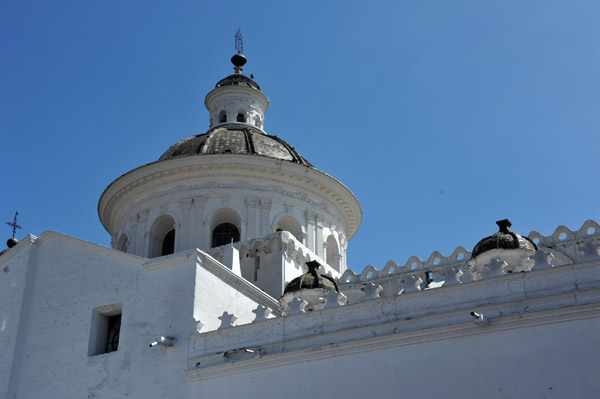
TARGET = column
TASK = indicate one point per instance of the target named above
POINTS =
(184, 234)
(265, 216)
(310, 230)
(319, 236)
(140, 247)
(252, 228)
(198, 237)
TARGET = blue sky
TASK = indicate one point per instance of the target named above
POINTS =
(441, 116)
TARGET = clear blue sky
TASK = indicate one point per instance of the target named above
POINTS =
(441, 116)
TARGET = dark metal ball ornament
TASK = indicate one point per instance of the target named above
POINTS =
(238, 60)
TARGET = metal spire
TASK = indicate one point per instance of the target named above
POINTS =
(14, 224)
(239, 43)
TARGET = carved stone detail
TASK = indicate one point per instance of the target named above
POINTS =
(252, 203)
(289, 209)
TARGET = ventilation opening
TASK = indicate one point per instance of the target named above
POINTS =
(105, 329)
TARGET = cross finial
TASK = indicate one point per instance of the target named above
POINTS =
(14, 224)
(239, 43)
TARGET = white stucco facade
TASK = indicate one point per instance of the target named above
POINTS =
(166, 313)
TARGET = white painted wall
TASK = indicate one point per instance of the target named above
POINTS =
(541, 340)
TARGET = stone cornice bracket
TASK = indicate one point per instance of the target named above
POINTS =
(200, 202)
(186, 203)
(311, 217)
(252, 203)
(143, 215)
(265, 205)
(289, 209)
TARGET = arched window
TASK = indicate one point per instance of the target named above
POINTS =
(257, 121)
(162, 237)
(289, 223)
(223, 117)
(224, 234)
(168, 244)
(241, 117)
(332, 253)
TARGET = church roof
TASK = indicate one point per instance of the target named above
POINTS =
(235, 138)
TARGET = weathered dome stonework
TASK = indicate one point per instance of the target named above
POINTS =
(311, 279)
(235, 138)
(503, 239)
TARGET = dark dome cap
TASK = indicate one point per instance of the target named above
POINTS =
(312, 279)
(503, 239)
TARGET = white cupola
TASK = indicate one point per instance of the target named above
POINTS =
(237, 99)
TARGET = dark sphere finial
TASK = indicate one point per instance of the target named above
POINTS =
(238, 60)
(12, 242)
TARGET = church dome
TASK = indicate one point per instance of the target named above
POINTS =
(237, 80)
(235, 138)
(503, 239)
(311, 279)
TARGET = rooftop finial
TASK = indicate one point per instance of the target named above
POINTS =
(14, 224)
(239, 43)
(504, 225)
(238, 60)
(13, 241)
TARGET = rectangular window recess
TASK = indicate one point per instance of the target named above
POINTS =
(105, 329)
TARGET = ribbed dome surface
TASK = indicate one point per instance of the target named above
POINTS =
(311, 279)
(503, 239)
(235, 139)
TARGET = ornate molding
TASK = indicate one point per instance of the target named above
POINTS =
(200, 202)
(186, 203)
(240, 185)
(265, 205)
(289, 209)
(252, 203)
(143, 215)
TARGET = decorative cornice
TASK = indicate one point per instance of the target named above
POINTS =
(243, 168)
(392, 334)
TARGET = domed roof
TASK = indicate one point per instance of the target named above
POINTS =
(237, 80)
(503, 239)
(235, 138)
(311, 279)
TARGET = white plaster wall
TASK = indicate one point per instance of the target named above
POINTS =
(260, 190)
(282, 258)
(232, 99)
(68, 279)
(212, 297)
(69, 282)
(547, 361)
(194, 224)
(541, 356)
(13, 279)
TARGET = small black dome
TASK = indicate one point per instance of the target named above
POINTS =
(311, 279)
(235, 138)
(503, 239)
